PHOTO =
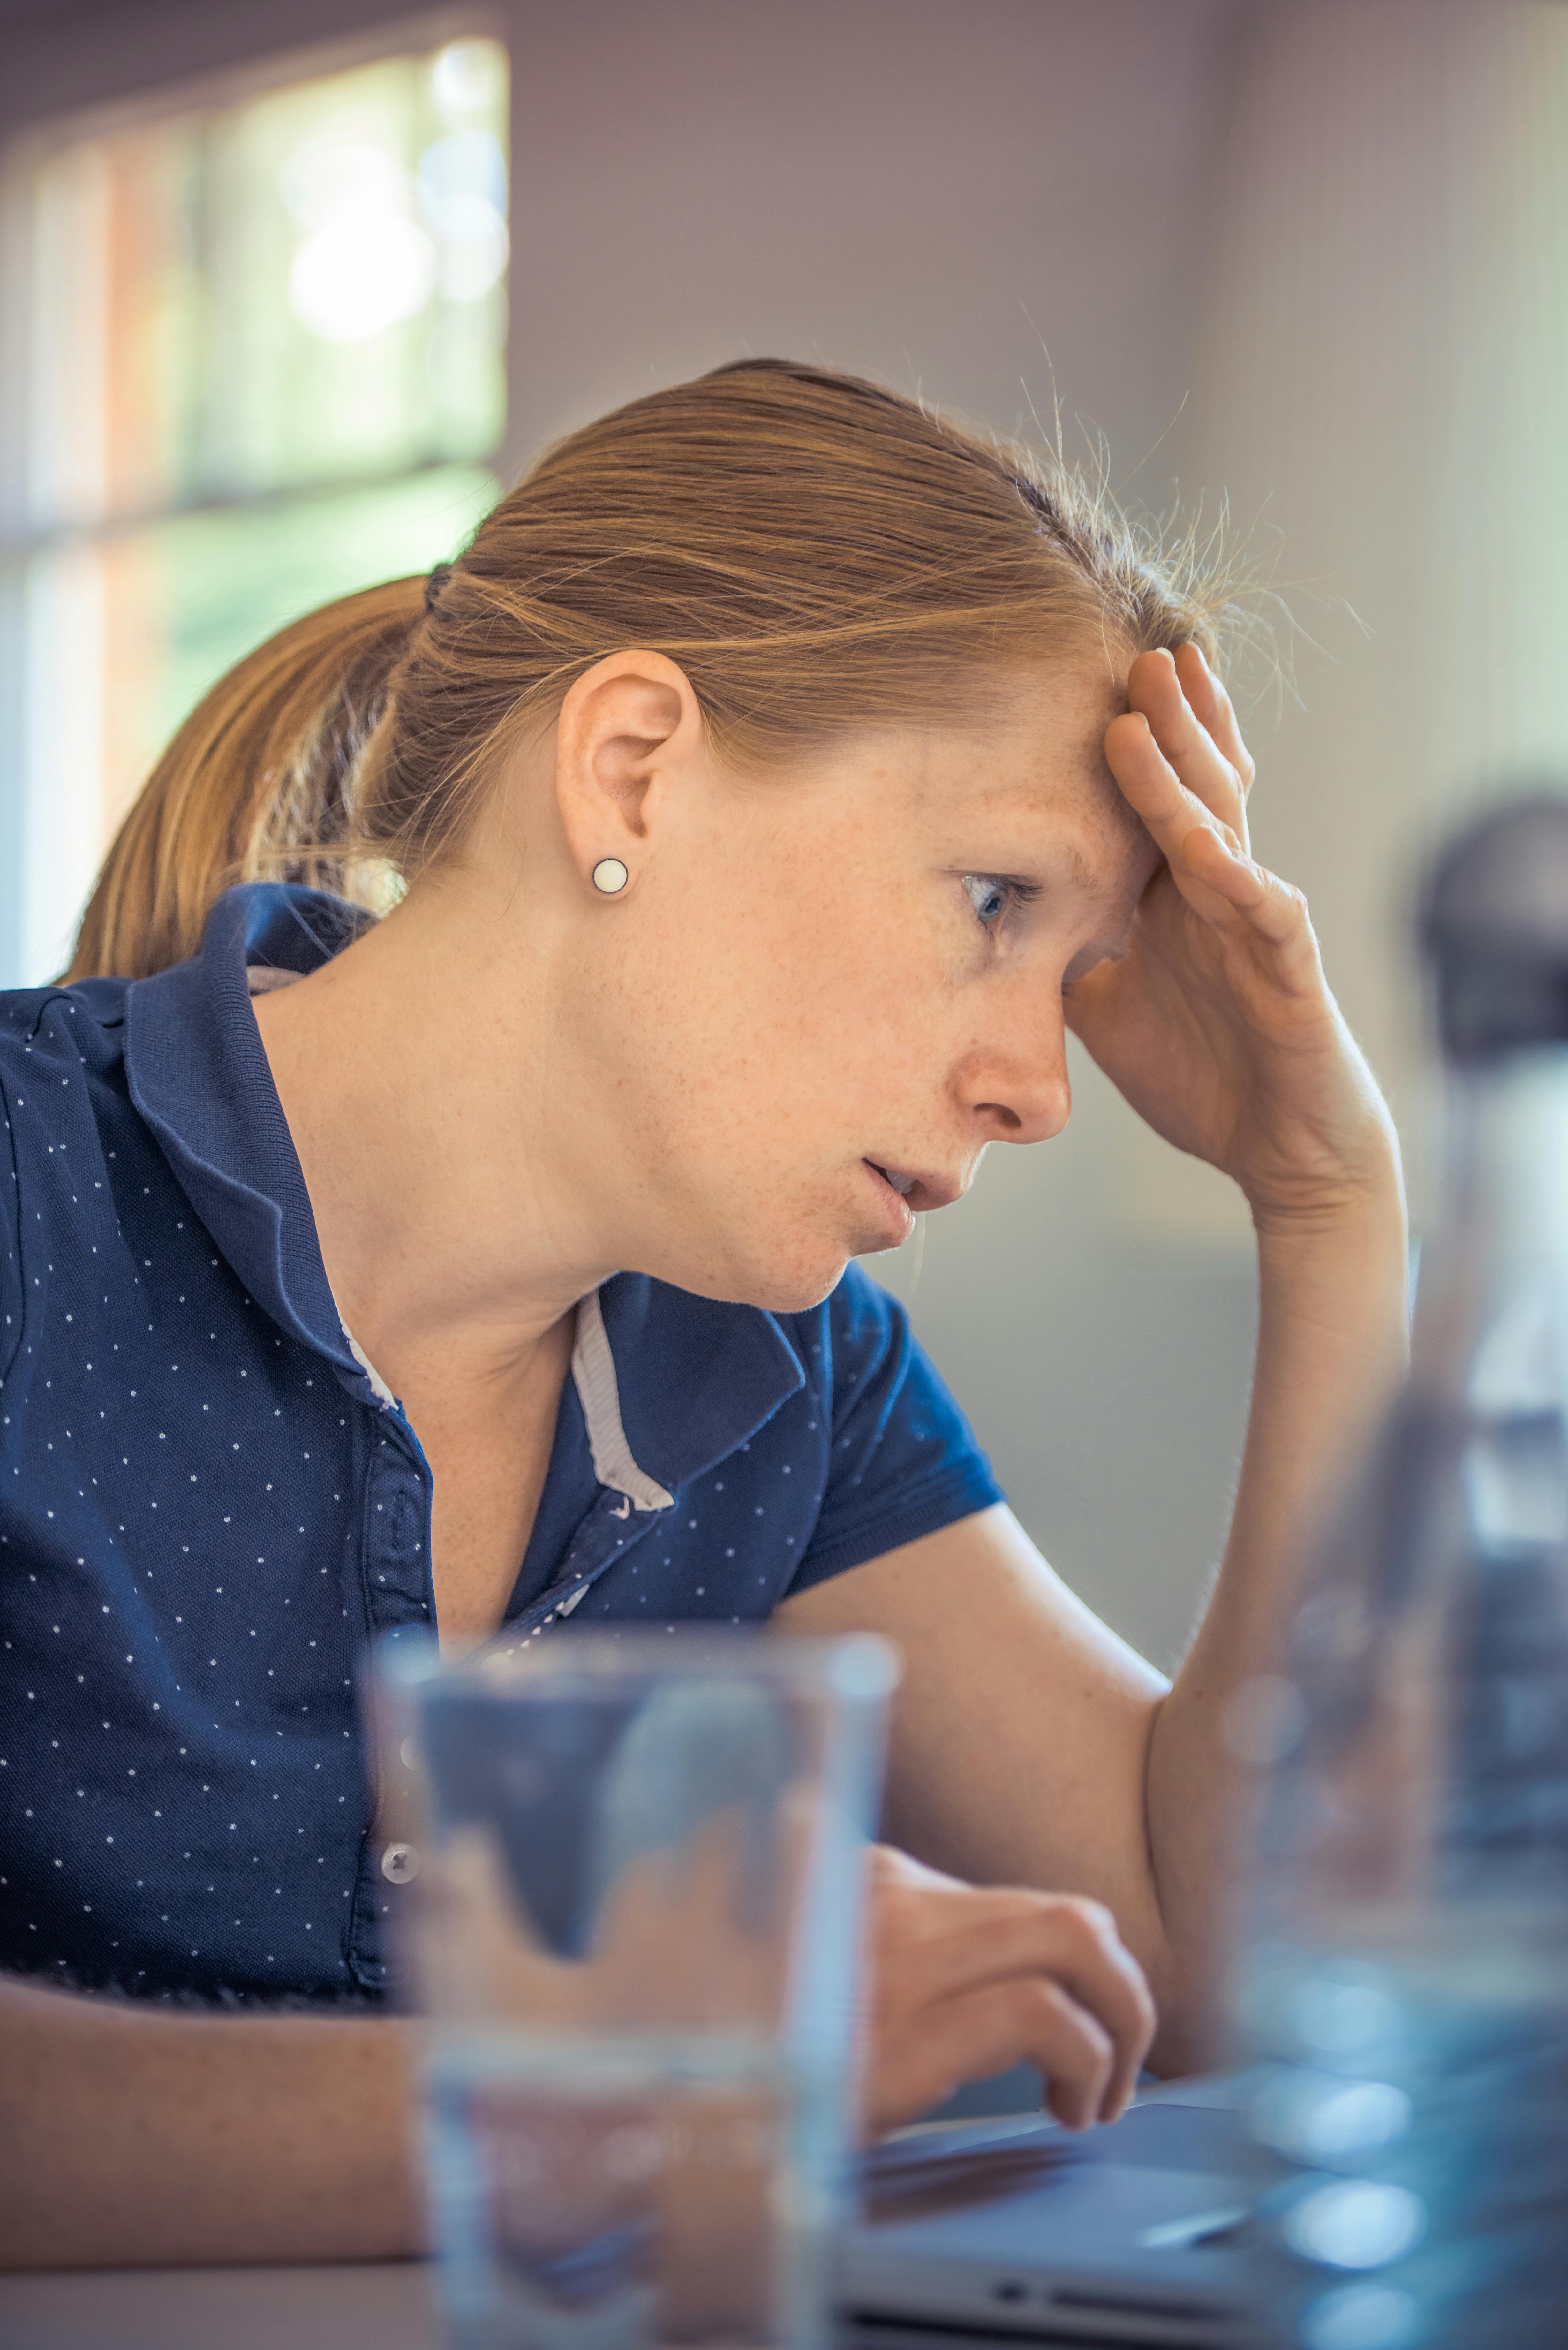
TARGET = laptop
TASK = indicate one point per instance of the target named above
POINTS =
(1018, 2231)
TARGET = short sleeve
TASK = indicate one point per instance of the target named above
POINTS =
(903, 1461)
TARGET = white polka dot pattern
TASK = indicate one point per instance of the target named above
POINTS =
(207, 1509)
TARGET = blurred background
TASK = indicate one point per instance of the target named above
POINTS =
(289, 294)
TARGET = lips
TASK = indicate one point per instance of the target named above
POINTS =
(922, 1191)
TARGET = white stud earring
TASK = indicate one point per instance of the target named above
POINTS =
(610, 875)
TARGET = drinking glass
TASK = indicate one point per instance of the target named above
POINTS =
(632, 1868)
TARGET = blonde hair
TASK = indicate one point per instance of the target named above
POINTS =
(816, 552)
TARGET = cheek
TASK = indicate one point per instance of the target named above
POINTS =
(780, 1014)
(847, 1006)
(804, 962)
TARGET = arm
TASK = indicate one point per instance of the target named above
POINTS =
(135, 2137)
(139, 2136)
(1031, 1746)
(1330, 1349)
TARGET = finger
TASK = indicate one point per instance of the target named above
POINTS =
(1076, 1945)
(1155, 691)
(988, 2030)
(1031, 2022)
(890, 1871)
(1271, 908)
(1072, 1942)
(1156, 793)
(1207, 697)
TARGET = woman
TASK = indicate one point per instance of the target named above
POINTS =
(773, 780)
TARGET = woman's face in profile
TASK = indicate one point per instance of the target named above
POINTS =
(834, 986)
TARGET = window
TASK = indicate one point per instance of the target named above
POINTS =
(265, 344)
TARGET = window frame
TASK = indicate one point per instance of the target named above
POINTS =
(24, 851)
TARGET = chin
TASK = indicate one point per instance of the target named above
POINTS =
(781, 1264)
(793, 1270)
(798, 1295)
(784, 1288)
(780, 1276)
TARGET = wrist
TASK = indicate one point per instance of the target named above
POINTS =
(1339, 1266)
(1348, 1239)
(1358, 1200)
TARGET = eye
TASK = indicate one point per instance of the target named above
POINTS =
(992, 895)
(987, 895)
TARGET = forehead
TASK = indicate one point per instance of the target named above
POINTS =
(1031, 765)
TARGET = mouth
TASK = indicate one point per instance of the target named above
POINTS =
(896, 1216)
(919, 1193)
(902, 1184)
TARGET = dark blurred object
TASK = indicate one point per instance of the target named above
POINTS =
(1404, 1993)
(1495, 928)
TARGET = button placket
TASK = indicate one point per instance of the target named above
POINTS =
(397, 1585)
(397, 1537)
(601, 1542)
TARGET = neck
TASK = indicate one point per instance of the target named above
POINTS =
(419, 1079)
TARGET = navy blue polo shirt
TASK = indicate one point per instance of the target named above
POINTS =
(210, 1503)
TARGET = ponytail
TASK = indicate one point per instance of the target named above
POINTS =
(256, 784)
(816, 553)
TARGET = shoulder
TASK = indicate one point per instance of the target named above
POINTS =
(902, 1460)
(48, 1031)
(59, 1048)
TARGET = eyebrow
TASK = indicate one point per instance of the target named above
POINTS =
(1067, 852)
(1077, 863)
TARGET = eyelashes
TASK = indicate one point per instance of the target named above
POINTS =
(995, 895)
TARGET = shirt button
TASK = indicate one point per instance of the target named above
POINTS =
(400, 1862)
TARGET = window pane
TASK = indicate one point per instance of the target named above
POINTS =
(300, 287)
(125, 634)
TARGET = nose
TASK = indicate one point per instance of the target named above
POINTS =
(1016, 1089)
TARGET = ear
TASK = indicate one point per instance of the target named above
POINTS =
(626, 728)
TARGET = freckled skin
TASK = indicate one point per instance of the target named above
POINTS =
(796, 979)
(793, 982)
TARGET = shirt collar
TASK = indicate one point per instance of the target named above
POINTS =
(670, 1383)
(689, 1378)
(199, 1077)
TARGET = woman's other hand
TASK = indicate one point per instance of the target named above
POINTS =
(968, 1981)
(1217, 1024)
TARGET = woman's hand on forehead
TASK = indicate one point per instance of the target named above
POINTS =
(1178, 756)
(1218, 1024)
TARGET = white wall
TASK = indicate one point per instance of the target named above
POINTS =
(1380, 384)
(925, 190)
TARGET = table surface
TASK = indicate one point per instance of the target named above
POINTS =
(389, 2306)
(380, 2308)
